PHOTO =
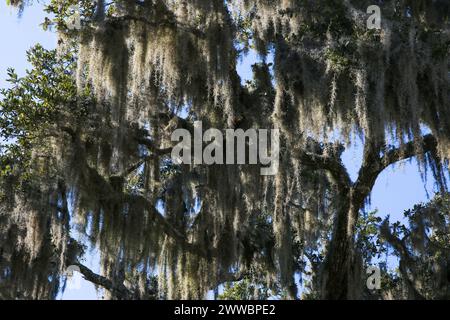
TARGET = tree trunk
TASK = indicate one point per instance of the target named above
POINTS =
(341, 268)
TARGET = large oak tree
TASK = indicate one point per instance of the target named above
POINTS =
(86, 143)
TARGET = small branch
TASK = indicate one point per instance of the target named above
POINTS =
(151, 146)
(405, 258)
(295, 205)
(132, 168)
(104, 282)
(397, 243)
(231, 277)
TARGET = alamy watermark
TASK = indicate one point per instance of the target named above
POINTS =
(374, 278)
(228, 147)
(374, 21)
(74, 20)
(73, 275)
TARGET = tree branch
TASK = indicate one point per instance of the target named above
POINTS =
(151, 146)
(428, 143)
(119, 195)
(373, 164)
(117, 288)
(231, 277)
(167, 228)
(405, 258)
(330, 164)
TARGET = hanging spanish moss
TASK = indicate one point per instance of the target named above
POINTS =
(150, 67)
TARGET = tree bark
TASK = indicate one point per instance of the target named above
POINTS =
(337, 264)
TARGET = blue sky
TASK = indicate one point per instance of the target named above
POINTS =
(395, 190)
(18, 35)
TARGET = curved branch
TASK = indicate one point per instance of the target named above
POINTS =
(117, 288)
(374, 164)
(428, 143)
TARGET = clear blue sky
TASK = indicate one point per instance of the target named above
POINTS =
(394, 192)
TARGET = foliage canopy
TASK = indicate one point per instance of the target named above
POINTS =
(86, 145)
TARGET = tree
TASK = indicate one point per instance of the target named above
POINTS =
(93, 148)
